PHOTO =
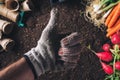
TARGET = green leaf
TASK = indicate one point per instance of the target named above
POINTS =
(108, 77)
(112, 78)
(108, 7)
(118, 57)
(117, 78)
(112, 50)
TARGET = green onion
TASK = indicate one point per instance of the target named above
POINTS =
(103, 2)
(107, 13)
(108, 7)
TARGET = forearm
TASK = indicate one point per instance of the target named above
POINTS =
(17, 71)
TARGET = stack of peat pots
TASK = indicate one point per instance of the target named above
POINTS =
(11, 9)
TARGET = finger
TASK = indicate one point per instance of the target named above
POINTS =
(71, 40)
(70, 55)
(70, 51)
(47, 32)
(72, 59)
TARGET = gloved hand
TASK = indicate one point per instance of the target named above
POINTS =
(70, 50)
(42, 57)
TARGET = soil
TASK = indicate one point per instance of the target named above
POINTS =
(71, 19)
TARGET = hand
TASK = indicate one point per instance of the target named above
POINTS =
(45, 43)
(42, 57)
(70, 50)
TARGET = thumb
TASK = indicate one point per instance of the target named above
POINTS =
(48, 31)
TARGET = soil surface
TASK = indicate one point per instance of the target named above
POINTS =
(71, 19)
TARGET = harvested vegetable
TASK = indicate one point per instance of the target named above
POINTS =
(114, 29)
(98, 10)
(106, 47)
(105, 56)
(117, 65)
(92, 16)
(115, 16)
(115, 39)
(111, 68)
(107, 68)
(116, 55)
(110, 16)
(113, 20)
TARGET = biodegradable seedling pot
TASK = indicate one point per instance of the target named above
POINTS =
(7, 44)
(6, 27)
(2, 1)
(27, 5)
(13, 5)
(13, 16)
(0, 34)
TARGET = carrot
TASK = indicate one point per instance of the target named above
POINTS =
(109, 29)
(115, 28)
(110, 15)
(115, 16)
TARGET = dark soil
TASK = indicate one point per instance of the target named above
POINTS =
(70, 20)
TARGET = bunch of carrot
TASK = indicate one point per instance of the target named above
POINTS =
(113, 21)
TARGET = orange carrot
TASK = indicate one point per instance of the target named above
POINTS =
(115, 28)
(109, 29)
(115, 17)
(117, 22)
(110, 15)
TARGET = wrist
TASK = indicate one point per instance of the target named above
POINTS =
(30, 66)
(35, 62)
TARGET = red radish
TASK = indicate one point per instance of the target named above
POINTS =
(106, 47)
(107, 68)
(115, 39)
(105, 56)
(117, 65)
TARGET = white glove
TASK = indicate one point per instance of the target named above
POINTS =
(42, 57)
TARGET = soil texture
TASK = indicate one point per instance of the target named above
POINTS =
(71, 19)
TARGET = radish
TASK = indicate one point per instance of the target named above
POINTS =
(115, 39)
(117, 65)
(105, 56)
(106, 47)
(107, 68)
